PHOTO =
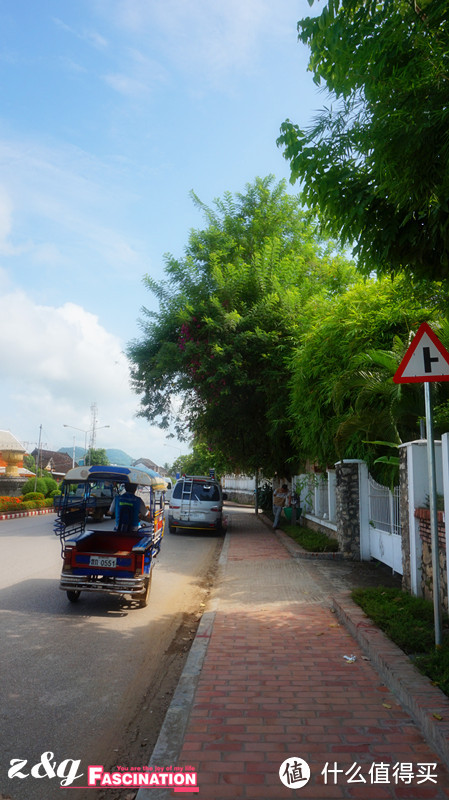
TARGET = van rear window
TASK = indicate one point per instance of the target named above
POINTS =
(201, 491)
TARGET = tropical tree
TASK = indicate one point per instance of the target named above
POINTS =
(29, 462)
(200, 462)
(230, 315)
(375, 162)
(342, 383)
(97, 457)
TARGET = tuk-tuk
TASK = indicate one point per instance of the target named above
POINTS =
(114, 558)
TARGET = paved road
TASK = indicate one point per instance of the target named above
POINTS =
(74, 677)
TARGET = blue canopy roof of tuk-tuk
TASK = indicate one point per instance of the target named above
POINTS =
(141, 476)
(150, 472)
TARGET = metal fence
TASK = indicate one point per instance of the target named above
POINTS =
(322, 497)
(384, 507)
(317, 492)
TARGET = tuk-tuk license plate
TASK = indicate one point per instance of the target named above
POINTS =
(103, 561)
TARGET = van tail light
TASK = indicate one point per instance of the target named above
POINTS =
(216, 508)
(172, 506)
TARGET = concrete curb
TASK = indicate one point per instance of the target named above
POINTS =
(33, 513)
(418, 697)
(171, 737)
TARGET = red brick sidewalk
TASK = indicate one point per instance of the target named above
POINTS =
(275, 685)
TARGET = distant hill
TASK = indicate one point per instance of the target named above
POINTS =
(79, 452)
(118, 457)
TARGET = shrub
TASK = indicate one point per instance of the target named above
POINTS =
(265, 497)
(13, 507)
(48, 502)
(436, 666)
(406, 619)
(43, 485)
(29, 505)
(37, 498)
(313, 541)
(10, 502)
(409, 622)
(51, 486)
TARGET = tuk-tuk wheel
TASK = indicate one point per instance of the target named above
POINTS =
(73, 596)
(143, 600)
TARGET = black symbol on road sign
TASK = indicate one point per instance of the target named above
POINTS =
(428, 361)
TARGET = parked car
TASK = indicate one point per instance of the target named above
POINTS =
(197, 503)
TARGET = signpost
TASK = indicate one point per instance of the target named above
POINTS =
(427, 361)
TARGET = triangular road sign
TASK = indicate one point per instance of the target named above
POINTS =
(426, 359)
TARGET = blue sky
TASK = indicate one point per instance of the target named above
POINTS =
(111, 112)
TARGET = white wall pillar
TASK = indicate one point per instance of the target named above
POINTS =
(445, 464)
(418, 496)
(365, 550)
(331, 489)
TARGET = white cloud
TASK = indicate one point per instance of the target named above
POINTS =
(55, 362)
(73, 66)
(209, 38)
(139, 74)
(6, 222)
(124, 84)
(87, 35)
(64, 349)
(5, 217)
(68, 195)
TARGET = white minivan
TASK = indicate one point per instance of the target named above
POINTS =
(168, 490)
(196, 503)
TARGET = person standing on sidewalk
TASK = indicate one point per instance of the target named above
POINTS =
(281, 499)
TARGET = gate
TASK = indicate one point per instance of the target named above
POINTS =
(384, 525)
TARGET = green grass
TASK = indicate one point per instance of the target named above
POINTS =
(312, 541)
(409, 622)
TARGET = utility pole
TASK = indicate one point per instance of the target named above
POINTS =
(38, 456)
(93, 426)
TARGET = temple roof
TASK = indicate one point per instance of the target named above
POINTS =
(9, 442)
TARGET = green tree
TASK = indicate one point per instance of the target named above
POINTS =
(375, 162)
(96, 457)
(343, 395)
(230, 316)
(200, 461)
(29, 463)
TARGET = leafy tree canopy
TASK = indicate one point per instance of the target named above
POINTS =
(97, 457)
(29, 463)
(200, 461)
(375, 162)
(231, 311)
(342, 390)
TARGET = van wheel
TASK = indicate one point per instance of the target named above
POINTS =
(171, 529)
(73, 596)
